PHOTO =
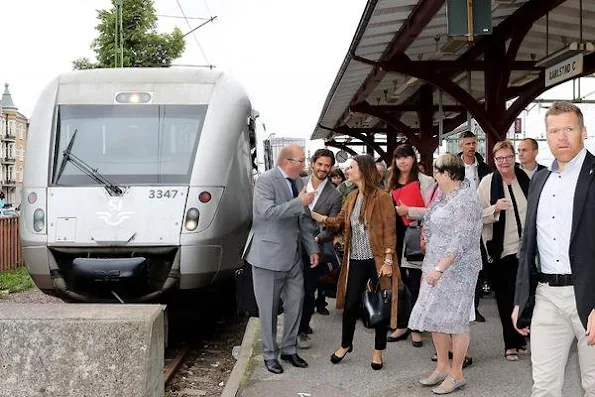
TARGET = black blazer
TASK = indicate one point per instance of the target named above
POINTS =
(539, 166)
(582, 240)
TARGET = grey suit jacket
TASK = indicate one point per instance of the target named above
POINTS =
(279, 223)
(329, 204)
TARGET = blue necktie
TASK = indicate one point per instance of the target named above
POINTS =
(293, 187)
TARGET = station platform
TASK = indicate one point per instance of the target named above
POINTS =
(489, 375)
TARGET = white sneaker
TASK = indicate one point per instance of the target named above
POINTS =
(304, 341)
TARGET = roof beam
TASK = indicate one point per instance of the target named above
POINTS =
(421, 15)
(368, 140)
(403, 65)
(414, 108)
(342, 146)
(391, 121)
(361, 130)
(474, 65)
(526, 15)
(532, 90)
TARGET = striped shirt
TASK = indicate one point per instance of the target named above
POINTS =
(360, 242)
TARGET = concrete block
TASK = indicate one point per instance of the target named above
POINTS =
(81, 350)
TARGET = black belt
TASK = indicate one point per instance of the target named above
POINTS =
(555, 280)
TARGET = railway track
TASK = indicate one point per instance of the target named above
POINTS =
(172, 365)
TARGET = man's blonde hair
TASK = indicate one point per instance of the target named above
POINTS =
(562, 107)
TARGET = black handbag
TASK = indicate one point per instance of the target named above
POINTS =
(412, 242)
(329, 258)
(376, 304)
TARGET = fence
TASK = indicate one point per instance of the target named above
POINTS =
(10, 245)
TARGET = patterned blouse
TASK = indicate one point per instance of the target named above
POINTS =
(360, 243)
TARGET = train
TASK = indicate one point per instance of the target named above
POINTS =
(137, 183)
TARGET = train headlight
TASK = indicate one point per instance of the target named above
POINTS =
(192, 216)
(134, 97)
(38, 220)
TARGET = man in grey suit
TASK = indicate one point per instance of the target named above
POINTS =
(327, 201)
(280, 223)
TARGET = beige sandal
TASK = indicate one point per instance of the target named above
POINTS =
(511, 355)
(456, 385)
(434, 378)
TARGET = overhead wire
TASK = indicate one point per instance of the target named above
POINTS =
(181, 17)
(193, 34)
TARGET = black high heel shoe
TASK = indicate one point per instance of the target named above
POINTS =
(336, 359)
(376, 366)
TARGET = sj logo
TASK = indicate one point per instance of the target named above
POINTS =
(115, 215)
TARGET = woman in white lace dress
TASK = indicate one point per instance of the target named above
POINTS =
(450, 268)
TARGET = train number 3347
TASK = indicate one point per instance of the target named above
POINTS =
(159, 194)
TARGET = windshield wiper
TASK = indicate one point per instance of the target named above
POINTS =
(113, 190)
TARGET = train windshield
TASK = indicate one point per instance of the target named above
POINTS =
(144, 144)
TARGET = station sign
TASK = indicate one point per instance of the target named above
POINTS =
(564, 70)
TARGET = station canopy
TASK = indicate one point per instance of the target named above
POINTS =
(403, 72)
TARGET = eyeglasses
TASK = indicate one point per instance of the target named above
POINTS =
(297, 161)
(501, 159)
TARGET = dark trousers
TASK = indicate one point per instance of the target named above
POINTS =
(320, 302)
(311, 276)
(412, 280)
(359, 274)
(479, 287)
(503, 276)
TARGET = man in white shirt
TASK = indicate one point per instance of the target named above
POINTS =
(528, 151)
(475, 167)
(327, 201)
(556, 258)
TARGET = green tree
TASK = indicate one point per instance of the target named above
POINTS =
(143, 46)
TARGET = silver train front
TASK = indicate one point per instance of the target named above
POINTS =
(191, 234)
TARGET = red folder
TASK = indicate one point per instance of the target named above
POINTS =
(410, 195)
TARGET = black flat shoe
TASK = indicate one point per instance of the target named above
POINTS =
(376, 366)
(273, 366)
(294, 360)
(398, 338)
(323, 310)
(417, 343)
(479, 318)
(337, 359)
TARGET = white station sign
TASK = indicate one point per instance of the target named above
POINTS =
(564, 70)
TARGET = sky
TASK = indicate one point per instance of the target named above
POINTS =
(285, 53)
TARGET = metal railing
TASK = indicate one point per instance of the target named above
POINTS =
(11, 255)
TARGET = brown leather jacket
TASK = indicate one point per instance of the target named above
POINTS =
(379, 214)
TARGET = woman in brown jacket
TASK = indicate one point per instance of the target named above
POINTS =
(368, 220)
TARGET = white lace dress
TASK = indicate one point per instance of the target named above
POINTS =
(452, 226)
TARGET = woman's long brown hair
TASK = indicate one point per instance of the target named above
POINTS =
(370, 179)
